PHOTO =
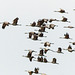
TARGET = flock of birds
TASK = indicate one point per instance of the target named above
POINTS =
(42, 24)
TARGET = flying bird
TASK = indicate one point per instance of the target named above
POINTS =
(66, 36)
(61, 11)
(5, 24)
(58, 51)
(15, 22)
(46, 44)
(64, 19)
(52, 26)
(51, 20)
(69, 48)
(54, 61)
(69, 27)
(32, 24)
(30, 72)
(46, 50)
(29, 55)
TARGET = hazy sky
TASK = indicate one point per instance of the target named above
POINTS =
(13, 41)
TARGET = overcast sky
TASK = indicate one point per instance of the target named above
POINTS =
(13, 41)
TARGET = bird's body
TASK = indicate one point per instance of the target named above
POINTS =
(69, 27)
(15, 21)
(40, 59)
(51, 26)
(53, 20)
(5, 24)
(30, 72)
(47, 44)
(61, 11)
(41, 53)
(54, 61)
(33, 24)
(59, 50)
(40, 23)
(36, 70)
(29, 55)
(69, 49)
(35, 37)
(40, 34)
(64, 19)
(46, 50)
(45, 60)
(42, 29)
(66, 36)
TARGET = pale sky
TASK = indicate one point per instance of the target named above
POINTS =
(13, 41)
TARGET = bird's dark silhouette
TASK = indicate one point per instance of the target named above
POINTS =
(15, 21)
(54, 61)
(52, 26)
(5, 24)
(69, 49)
(51, 20)
(61, 11)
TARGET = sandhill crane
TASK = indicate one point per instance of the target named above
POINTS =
(39, 59)
(15, 21)
(45, 50)
(47, 44)
(40, 34)
(64, 19)
(41, 52)
(40, 22)
(58, 51)
(61, 11)
(42, 29)
(45, 20)
(5, 24)
(72, 43)
(36, 70)
(32, 24)
(29, 55)
(30, 72)
(54, 61)
(30, 58)
(69, 48)
(45, 60)
(35, 37)
(69, 27)
(66, 36)
(53, 20)
(30, 34)
(52, 26)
